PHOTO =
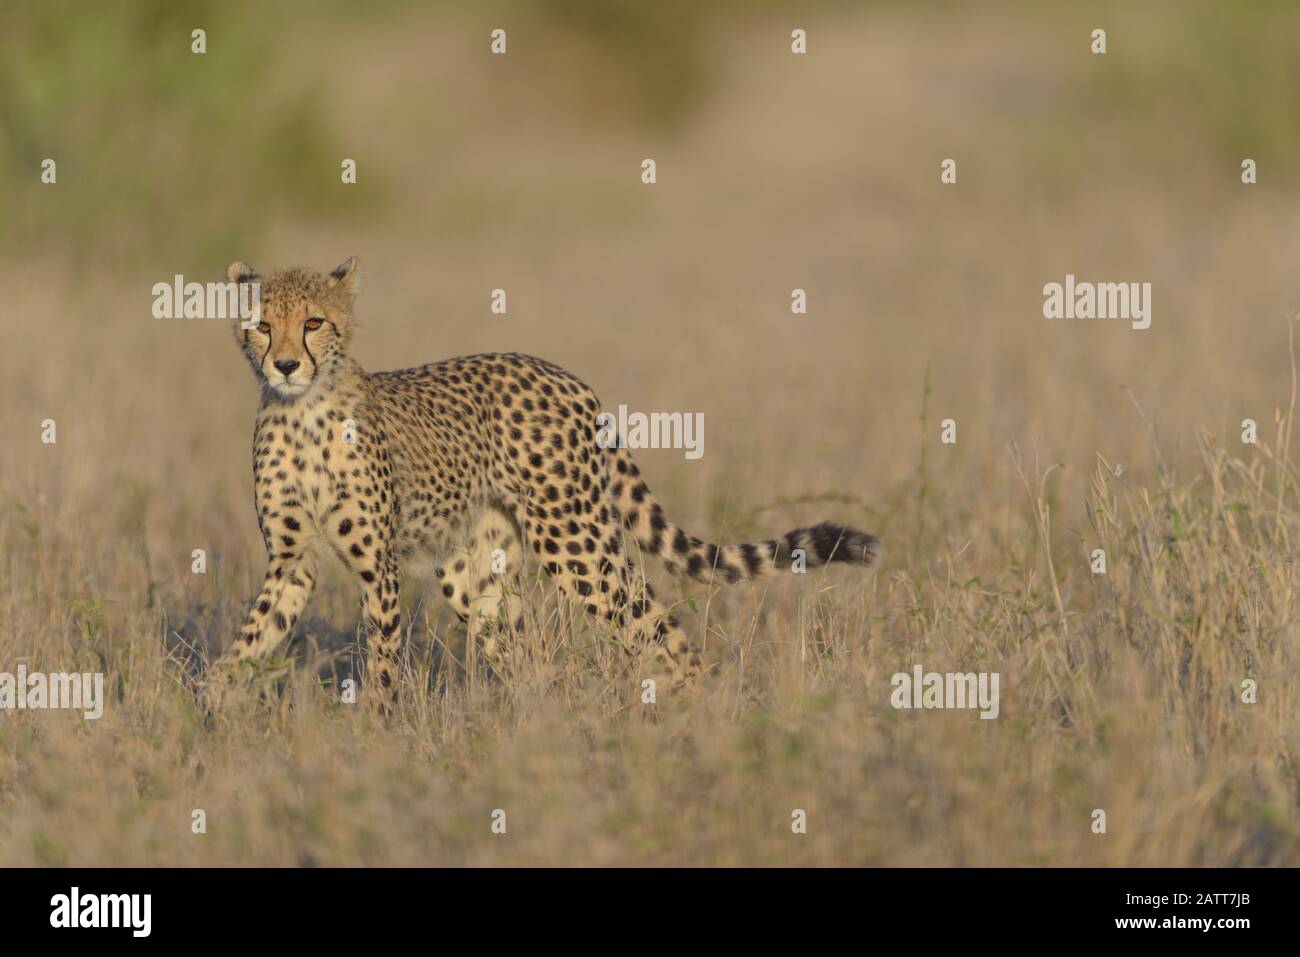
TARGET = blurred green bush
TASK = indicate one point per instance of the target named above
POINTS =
(158, 149)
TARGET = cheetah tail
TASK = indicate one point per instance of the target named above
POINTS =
(644, 518)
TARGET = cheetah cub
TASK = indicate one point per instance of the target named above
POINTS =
(467, 463)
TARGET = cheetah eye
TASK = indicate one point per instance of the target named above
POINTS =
(314, 323)
(264, 328)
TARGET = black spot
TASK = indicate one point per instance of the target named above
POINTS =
(657, 520)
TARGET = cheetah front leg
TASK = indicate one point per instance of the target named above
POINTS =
(366, 546)
(381, 618)
(286, 587)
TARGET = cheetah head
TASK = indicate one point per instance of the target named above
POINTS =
(305, 327)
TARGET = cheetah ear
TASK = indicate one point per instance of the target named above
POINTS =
(241, 272)
(347, 276)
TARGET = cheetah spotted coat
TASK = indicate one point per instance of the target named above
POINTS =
(469, 463)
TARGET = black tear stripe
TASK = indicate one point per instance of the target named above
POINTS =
(314, 364)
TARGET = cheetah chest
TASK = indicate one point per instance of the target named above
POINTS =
(310, 461)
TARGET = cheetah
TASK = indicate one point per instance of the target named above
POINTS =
(459, 464)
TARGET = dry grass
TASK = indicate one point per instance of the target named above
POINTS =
(1119, 691)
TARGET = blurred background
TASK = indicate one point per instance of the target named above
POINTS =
(775, 172)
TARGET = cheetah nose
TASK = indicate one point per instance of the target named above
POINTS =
(286, 365)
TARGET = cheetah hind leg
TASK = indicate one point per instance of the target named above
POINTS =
(481, 584)
(676, 660)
